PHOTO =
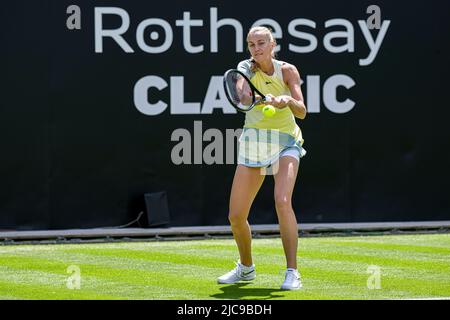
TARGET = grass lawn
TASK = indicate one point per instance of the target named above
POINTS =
(408, 266)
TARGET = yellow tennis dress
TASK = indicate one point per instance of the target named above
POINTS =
(265, 139)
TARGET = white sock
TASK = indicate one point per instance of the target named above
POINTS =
(246, 268)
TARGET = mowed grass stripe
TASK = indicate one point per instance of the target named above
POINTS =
(143, 270)
(272, 281)
(347, 263)
(106, 284)
(419, 249)
(392, 285)
(38, 283)
(440, 240)
(176, 264)
(340, 281)
(32, 291)
(122, 274)
(266, 273)
(185, 283)
(192, 258)
(213, 257)
(382, 259)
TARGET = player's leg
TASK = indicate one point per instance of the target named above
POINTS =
(246, 184)
(285, 179)
(247, 181)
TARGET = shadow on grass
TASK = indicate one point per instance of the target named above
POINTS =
(238, 291)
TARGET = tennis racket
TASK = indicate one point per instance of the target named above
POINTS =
(241, 93)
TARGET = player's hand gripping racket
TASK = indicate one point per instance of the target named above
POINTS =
(241, 93)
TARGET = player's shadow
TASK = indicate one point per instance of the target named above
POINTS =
(238, 291)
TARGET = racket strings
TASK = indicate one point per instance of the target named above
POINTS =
(239, 90)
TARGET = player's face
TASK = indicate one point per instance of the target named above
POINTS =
(260, 46)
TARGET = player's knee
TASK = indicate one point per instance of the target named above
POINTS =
(282, 203)
(237, 218)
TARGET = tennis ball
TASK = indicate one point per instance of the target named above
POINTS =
(269, 111)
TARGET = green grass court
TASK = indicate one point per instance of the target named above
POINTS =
(411, 266)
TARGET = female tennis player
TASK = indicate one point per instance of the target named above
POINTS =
(280, 83)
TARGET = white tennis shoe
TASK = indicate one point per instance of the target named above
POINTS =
(240, 273)
(292, 280)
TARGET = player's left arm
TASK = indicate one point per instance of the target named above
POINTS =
(296, 103)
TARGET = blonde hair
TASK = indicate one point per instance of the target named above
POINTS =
(268, 32)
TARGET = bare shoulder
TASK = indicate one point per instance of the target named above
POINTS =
(288, 68)
(290, 72)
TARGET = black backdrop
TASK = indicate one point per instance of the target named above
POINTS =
(76, 151)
